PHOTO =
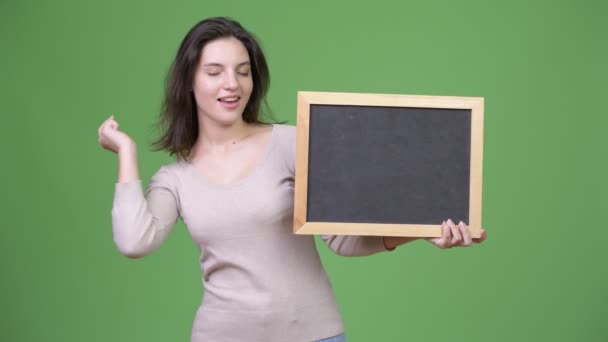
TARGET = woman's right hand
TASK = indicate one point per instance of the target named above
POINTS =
(111, 138)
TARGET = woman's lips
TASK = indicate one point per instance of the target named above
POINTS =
(229, 102)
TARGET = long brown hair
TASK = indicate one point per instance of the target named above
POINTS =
(178, 118)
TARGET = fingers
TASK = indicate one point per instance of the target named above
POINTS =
(453, 235)
(466, 234)
(113, 123)
(110, 138)
(456, 234)
(446, 236)
(108, 124)
(105, 123)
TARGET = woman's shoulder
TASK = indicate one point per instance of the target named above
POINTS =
(174, 167)
(169, 173)
(285, 136)
(285, 132)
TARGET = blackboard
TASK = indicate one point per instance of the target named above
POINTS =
(378, 164)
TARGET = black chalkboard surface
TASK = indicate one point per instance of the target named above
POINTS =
(376, 164)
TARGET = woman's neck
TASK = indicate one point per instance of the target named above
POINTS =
(216, 137)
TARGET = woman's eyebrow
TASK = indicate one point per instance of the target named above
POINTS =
(221, 65)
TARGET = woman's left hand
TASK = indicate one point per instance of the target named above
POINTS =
(454, 235)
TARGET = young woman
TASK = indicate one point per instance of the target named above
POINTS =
(232, 185)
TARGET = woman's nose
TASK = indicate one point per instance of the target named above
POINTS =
(231, 82)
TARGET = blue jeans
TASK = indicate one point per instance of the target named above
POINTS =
(337, 338)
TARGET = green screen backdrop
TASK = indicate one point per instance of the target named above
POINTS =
(542, 274)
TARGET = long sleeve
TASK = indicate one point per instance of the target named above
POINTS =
(347, 245)
(141, 222)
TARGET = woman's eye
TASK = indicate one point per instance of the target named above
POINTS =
(244, 73)
(213, 73)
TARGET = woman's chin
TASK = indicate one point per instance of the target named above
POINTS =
(225, 119)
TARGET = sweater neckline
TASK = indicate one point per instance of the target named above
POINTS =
(239, 182)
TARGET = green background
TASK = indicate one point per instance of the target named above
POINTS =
(540, 65)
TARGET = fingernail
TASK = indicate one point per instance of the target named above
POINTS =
(450, 221)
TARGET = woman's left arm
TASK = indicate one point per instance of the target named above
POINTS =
(351, 245)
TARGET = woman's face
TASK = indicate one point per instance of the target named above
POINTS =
(222, 82)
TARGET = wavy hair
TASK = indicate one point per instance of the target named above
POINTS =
(178, 118)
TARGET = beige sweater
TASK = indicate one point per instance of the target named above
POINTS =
(261, 281)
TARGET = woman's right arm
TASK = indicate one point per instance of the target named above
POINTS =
(140, 222)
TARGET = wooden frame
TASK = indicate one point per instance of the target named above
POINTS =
(306, 99)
